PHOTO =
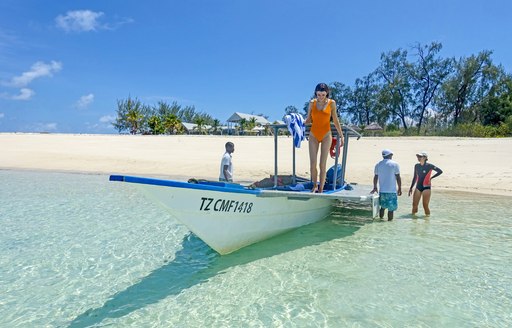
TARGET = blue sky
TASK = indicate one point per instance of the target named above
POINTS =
(64, 64)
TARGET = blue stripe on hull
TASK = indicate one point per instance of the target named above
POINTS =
(206, 185)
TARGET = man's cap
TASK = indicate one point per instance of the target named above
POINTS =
(422, 154)
(387, 152)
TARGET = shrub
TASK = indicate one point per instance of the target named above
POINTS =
(476, 130)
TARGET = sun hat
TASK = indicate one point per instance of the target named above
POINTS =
(386, 152)
(422, 154)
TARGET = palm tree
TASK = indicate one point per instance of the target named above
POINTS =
(242, 124)
(171, 123)
(134, 118)
(200, 122)
(215, 125)
(130, 115)
(155, 125)
(252, 123)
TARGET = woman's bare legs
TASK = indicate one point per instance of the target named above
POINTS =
(324, 152)
(415, 201)
(426, 200)
(313, 154)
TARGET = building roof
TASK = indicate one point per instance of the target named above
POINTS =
(189, 126)
(236, 117)
(193, 127)
(373, 127)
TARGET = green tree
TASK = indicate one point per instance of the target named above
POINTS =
(171, 123)
(427, 75)
(242, 125)
(340, 93)
(363, 101)
(163, 109)
(215, 126)
(251, 124)
(290, 109)
(396, 86)
(130, 116)
(467, 87)
(497, 107)
(200, 124)
(155, 125)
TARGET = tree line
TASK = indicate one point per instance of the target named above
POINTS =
(420, 92)
(137, 118)
(414, 91)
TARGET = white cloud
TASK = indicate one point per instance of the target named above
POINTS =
(79, 21)
(107, 119)
(25, 94)
(84, 101)
(39, 69)
(45, 127)
(104, 125)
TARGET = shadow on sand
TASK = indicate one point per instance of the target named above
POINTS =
(195, 263)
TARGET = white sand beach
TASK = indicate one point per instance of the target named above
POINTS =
(469, 164)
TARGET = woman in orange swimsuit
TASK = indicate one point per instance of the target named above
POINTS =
(321, 110)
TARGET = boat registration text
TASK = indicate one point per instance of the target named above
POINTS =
(225, 205)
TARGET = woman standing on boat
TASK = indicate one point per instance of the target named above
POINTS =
(422, 179)
(321, 110)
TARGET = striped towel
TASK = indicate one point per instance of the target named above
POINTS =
(295, 124)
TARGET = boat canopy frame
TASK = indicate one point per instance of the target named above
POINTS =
(347, 133)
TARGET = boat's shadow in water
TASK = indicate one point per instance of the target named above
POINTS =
(195, 263)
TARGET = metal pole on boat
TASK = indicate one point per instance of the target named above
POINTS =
(293, 168)
(335, 175)
(344, 159)
(275, 155)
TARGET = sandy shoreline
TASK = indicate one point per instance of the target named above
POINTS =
(469, 164)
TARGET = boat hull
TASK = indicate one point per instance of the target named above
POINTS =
(228, 221)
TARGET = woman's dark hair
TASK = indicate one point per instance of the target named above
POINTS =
(322, 87)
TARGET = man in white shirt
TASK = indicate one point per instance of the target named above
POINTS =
(387, 173)
(226, 166)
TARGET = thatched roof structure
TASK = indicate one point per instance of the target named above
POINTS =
(373, 127)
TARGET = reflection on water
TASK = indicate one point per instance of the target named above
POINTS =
(195, 263)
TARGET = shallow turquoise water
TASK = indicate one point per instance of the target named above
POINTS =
(79, 251)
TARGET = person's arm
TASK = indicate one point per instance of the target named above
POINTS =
(227, 176)
(438, 171)
(414, 177)
(375, 180)
(308, 117)
(336, 122)
(399, 183)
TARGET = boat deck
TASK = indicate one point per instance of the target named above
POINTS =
(357, 193)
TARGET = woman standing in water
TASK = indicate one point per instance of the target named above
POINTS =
(321, 110)
(422, 179)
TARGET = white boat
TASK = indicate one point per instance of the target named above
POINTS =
(229, 216)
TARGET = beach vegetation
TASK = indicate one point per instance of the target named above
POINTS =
(476, 130)
(172, 124)
(416, 91)
(163, 118)
(155, 125)
(200, 124)
(290, 110)
(131, 116)
(242, 126)
(216, 128)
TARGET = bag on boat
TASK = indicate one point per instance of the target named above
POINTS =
(330, 175)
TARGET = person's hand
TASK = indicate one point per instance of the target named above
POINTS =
(399, 192)
(374, 190)
(410, 192)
